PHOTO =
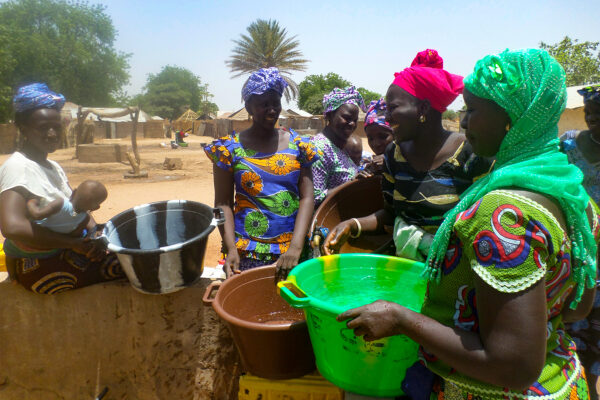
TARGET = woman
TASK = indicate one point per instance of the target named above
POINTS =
(514, 258)
(39, 259)
(427, 167)
(268, 171)
(583, 150)
(379, 136)
(336, 167)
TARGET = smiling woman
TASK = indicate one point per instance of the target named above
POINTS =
(336, 167)
(39, 259)
(263, 183)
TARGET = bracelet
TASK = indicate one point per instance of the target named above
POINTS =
(359, 229)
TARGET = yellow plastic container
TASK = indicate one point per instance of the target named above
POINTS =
(2, 259)
(309, 387)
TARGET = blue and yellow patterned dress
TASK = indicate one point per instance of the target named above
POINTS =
(266, 192)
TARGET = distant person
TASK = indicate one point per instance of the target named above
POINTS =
(379, 135)
(68, 215)
(39, 259)
(583, 150)
(336, 167)
(263, 183)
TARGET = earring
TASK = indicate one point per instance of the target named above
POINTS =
(507, 127)
(422, 119)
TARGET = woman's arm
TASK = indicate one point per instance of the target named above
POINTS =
(15, 225)
(224, 190)
(371, 223)
(511, 338)
(320, 180)
(289, 259)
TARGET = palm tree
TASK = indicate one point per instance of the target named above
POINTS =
(266, 45)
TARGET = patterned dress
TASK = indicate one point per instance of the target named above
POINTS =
(422, 198)
(266, 192)
(334, 168)
(586, 333)
(510, 242)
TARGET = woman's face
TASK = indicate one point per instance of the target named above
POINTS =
(343, 121)
(591, 110)
(379, 137)
(485, 124)
(42, 130)
(265, 108)
(402, 113)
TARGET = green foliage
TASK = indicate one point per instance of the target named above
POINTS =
(68, 45)
(266, 45)
(172, 91)
(450, 114)
(580, 61)
(312, 89)
(368, 96)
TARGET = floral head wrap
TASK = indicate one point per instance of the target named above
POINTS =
(37, 95)
(376, 114)
(426, 79)
(262, 81)
(590, 93)
(530, 86)
(338, 97)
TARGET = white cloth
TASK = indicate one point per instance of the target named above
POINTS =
(65, 220)
(411, 241)
(47, 183)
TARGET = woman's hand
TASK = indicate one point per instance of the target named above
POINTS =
(232, 264)
(286, 262)
(92, 249)
(338, 236)
(376, 320)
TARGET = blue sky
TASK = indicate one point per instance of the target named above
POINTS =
(363, 43)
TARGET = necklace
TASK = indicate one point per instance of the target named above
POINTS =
(594, 139)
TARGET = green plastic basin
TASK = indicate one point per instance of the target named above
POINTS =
(327, 286)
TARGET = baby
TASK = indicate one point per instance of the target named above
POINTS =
(354, 149)
(69, 216)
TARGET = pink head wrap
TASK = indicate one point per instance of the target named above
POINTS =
(426, 79)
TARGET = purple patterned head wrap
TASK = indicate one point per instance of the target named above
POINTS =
(590, 93)
(337, 97)
(376, 114)
(37, 95)
(262, 81)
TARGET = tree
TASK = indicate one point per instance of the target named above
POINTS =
(450, 114)
(68, 45)
(368, 95)
(266, 45)
(312, 89)
(580, 61)
(173, 90)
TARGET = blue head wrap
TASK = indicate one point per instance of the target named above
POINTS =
(262, 81)
(37, 95)
(590, 93)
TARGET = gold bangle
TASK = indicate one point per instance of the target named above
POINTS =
(359, 229)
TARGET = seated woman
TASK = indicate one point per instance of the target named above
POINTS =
(583, 150)
(263, 183)
(513, 259)
(336, 167)
(39, 259)
(427, 167)
(379, 135)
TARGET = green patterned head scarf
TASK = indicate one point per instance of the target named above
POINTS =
(530, 86)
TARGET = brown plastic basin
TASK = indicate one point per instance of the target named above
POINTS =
(271, 336)
(354, 199)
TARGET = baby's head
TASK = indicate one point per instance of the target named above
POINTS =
(88, 196)
(354, 149)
